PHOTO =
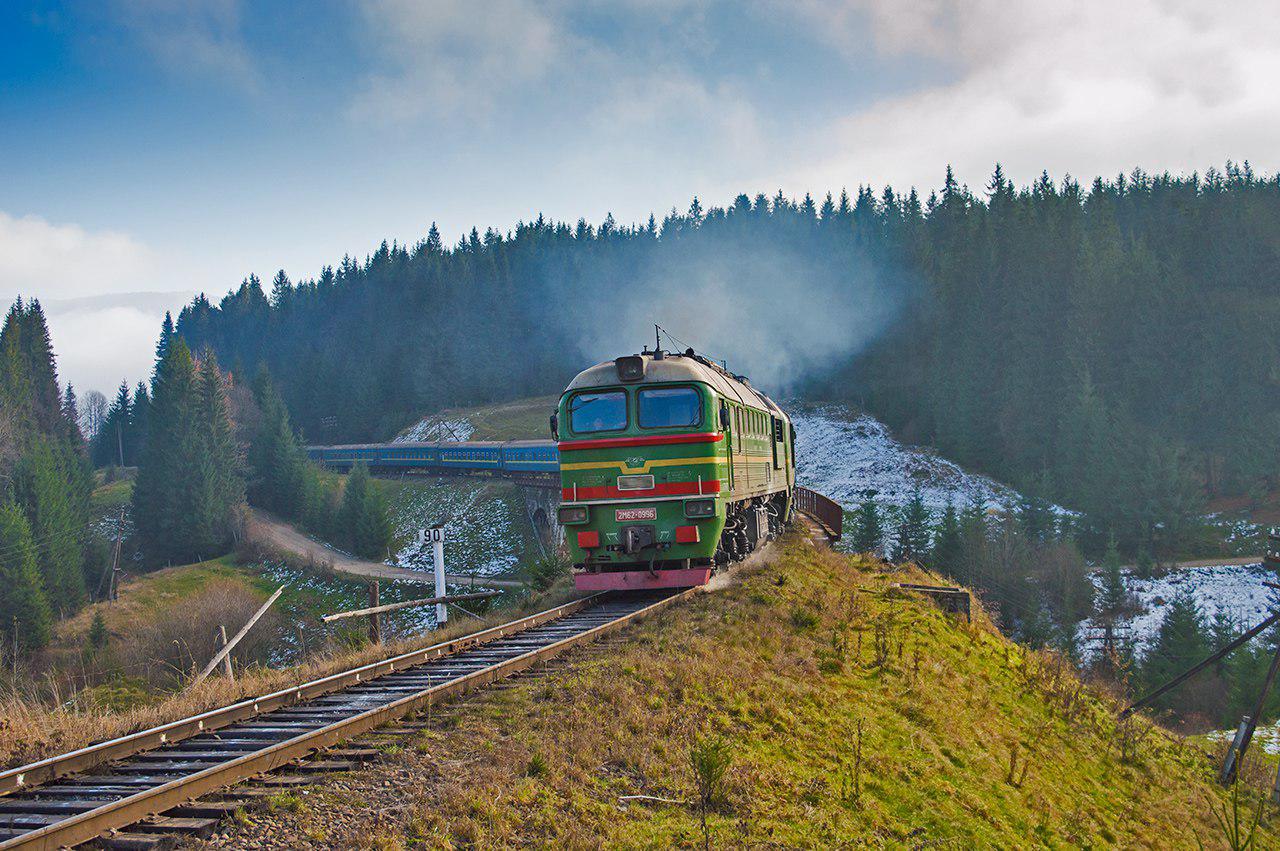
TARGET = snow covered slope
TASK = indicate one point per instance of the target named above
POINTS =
(1234, 589)
(841, 454)
(433, 429)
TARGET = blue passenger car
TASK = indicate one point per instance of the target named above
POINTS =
(513, 456)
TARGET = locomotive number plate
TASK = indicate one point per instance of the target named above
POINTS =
(625, 514)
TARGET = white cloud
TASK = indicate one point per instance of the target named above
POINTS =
(97, 347)
(1089, 88)
(454, 57)
(194, 37)
(103, 328)
(41, 259)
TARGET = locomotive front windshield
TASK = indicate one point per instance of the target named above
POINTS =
(592, 412)
(670, 407)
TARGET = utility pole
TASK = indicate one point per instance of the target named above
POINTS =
(109, 576)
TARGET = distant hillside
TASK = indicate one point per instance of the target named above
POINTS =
(850, 716)
(523, 419)
(1085, 340)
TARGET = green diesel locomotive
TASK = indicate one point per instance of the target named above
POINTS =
(670, 467)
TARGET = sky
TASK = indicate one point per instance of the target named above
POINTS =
(152, 149)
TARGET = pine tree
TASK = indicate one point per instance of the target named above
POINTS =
(24, 610)
(946, 541)
(98, 634)
(373, 532)
(1180, 642)
(219, 486)
(354, 495)
(1035, 512)
(868, 534)
(1115, 596)
(41, 488)
(913, 531)
(139, 416)
(111, 447)
(276, 459)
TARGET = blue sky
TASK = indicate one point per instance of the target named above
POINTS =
(174, 147)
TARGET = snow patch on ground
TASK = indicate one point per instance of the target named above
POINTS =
(1235, 589)
(482, 520)
(840, 454)
(436, 429)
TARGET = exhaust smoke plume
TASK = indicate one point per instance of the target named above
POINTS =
(776, 315)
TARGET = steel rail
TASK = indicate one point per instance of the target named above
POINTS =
(83, 826)
(26, 776)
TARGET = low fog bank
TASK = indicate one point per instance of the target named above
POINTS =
(102, 340)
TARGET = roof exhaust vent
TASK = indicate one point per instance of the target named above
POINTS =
(630, 368)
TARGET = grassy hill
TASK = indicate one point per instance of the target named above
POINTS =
(847, 715)
(524, 419)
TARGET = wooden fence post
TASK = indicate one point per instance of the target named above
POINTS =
(226, 661)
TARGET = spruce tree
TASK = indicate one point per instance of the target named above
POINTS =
(354, 496)
(160, 495)
(1035, 512)
(913, 531)
(1180, 642)
(41, 487)
(868, 533)
(946, 541)
(373, 532)
(110, 449)
(276, 459)
(1115, 596)
(139, 416)
(218, 487)
(24, 609)
(98, 634)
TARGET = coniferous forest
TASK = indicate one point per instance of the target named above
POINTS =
(1110, 347)
(46, 566)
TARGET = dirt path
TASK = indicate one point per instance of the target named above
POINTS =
(279, 535)
(1204, 562)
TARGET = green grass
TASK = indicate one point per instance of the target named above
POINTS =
(143, 596)
(110, 498)
(852, 716)
(524, 419)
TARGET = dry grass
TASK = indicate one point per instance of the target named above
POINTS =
(30, 729)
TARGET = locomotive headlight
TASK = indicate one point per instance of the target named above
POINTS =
(700, 508)
(570, 514)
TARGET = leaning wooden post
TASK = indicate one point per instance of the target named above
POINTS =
(1251, 722)
(375, 626)
(1229, 763)
(222, 654)
(226, 662)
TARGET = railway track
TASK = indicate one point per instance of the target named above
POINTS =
(96, 791)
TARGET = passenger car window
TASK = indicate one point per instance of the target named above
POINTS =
(669, 407)
(603, 411)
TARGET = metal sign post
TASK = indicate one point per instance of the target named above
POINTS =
(436, 534)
